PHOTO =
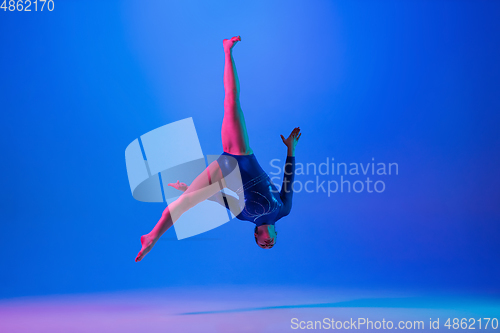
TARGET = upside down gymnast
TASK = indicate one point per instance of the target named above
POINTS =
(258, 199)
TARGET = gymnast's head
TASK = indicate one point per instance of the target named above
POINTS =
(265, 236)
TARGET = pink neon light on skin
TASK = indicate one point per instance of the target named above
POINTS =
(234, 141)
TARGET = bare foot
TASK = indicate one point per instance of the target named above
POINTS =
(147, 242)
(229, 43)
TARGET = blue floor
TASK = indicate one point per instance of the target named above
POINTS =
(243, 309)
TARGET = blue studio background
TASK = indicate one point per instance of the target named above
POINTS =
(413, 83)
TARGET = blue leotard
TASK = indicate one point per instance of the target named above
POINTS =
(259, 199)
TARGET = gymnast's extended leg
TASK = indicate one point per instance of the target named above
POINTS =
(234, 131)
(204, 186)
(234, 141)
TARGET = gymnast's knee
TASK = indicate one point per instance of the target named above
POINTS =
(186, 202)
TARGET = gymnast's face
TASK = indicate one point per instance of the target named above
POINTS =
(265, 236)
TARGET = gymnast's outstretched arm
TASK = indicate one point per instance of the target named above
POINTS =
(286, 193)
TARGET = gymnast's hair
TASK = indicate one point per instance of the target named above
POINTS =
(255, 232)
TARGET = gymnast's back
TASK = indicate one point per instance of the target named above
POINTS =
(259, 201)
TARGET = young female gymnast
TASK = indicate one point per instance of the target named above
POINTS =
(259, 200)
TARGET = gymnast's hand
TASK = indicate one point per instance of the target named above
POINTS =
(216, 197)
(292, 140)
(178, 185)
